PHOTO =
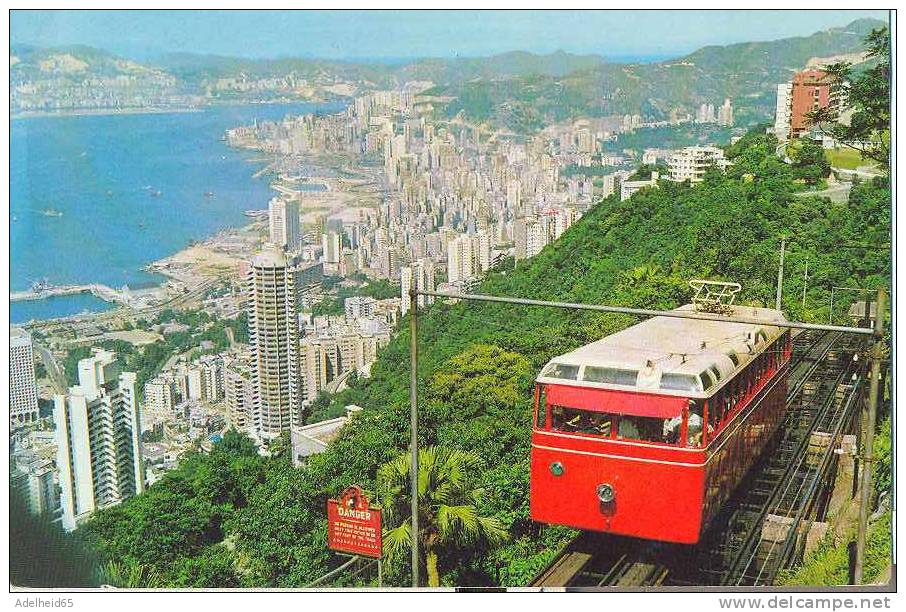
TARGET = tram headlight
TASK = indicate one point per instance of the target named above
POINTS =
(605, 493)
(557, 468)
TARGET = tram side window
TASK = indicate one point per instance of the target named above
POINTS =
(694, 427)
(572, 420)
(647, 429)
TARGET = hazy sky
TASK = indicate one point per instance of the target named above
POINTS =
(405, 34)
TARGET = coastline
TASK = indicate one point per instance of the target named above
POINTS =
(100, 112)
(220, 254)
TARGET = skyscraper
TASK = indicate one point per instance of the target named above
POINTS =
(420, 274)
(98, 429)
(23, 390)
(782, 112)
(274, 337)
(284, 223)
(330, 244)
(459, 260)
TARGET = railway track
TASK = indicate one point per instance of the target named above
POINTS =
(785, 487)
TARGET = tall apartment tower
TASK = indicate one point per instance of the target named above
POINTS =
(285, 230)
(98, 429)
(330, 245)
(239, 392)
(460, 260)
(782, 111)
(420, 274)
(274, 338)
(23, 389)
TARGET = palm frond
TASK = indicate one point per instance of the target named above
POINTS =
(397, 541)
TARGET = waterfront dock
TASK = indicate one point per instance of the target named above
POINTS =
(102, 292)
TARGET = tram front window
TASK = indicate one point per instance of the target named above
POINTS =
(581, 421)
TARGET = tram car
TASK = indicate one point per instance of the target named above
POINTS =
(647, 432)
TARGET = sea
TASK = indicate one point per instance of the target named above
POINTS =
(95, 198)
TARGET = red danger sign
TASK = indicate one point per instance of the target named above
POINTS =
(353, 526)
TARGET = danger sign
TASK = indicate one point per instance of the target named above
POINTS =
(353, 526)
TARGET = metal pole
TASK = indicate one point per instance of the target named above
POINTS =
(645, 312)
(413, 428)
(780, 275)
(830, 315)
(877, 355)
(380, 575)
(804, 284)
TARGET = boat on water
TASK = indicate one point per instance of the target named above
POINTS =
(256, 213)
(50, 212)
(209, 194)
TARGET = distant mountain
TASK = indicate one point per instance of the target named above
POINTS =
(747, 73)
(515, 63)
(519, 90)
(29, 62)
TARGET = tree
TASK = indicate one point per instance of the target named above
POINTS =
(868, 129)
(809, 163)
(448, 518)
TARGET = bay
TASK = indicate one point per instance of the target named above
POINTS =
(95, 198)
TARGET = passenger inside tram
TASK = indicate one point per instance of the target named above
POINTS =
(580, 421)
(648, 429)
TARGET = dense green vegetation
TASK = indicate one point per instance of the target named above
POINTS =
(234, 518)
(449, 520)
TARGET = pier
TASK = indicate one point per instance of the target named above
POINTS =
(102, 292)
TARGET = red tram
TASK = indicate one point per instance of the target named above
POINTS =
(647, 432)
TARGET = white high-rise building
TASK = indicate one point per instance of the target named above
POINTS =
(330, 245)
(421, 276)
(691, 163)
(23, 389)
(783, 111)
(161, 394)
(239, 391)
(725, 113)
(513, 196)
(283, 219)
(358, 307)
(481, 252)
(272, 287)
(460, 264)
(98, 436)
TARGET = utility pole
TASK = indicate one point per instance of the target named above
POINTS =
(804, 284)
(413, 427)
(877, 354)
(780, 274)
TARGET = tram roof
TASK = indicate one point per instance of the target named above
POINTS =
(669, 355)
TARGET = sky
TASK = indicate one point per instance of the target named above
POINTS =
(411, 34)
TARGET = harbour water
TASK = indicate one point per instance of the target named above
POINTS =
(94, 199)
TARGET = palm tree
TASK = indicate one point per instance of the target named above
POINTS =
(448, 516)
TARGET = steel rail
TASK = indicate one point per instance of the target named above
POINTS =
(644, 312)
(735, 573)
(841, 420)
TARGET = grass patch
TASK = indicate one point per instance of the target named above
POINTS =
(849, 159)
